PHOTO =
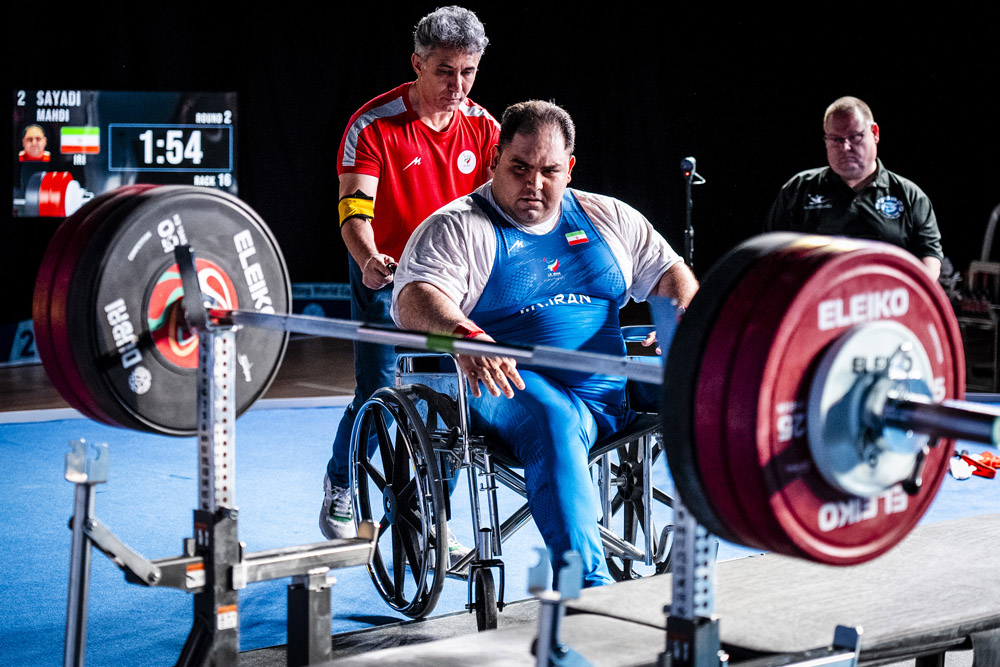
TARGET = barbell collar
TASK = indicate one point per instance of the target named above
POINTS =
(954, 419)
(194, 305)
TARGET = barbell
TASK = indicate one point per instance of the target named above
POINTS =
(54, 194)
(810, 394)
(107, 305)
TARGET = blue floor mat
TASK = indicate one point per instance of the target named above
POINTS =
(148, 502)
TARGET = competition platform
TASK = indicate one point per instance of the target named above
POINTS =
(909, 603)
(815, 394)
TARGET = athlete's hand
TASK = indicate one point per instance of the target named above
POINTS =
(496, 373)
(651, 340)
(377, 271)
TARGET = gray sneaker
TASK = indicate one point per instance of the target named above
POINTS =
(456, 550)
(336, 518)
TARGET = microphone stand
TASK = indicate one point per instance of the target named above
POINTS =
(691, 177)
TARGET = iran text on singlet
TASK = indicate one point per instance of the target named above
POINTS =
(562, 289)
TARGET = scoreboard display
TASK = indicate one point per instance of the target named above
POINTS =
(72, 145)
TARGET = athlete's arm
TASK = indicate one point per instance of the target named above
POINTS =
(356, 206)
(677, 283)
(424, 307)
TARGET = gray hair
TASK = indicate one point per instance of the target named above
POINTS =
(844, 105)
(452, 28)
(529, 117)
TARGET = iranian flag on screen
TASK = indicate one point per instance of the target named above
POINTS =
(80, 140)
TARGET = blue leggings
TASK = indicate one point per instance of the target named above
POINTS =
(374, 367)
(550, 429)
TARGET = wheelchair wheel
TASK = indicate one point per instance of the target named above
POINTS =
(628, 514)
(485, 601)
(438, 412)
(397, 483)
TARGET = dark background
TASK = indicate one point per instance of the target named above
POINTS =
(742, 91)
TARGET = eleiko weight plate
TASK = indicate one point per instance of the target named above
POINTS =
(131, 347)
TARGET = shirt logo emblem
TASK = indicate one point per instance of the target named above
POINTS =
(817, 201)
(416, 160)
(552, 267)
(579, 236)
(466, 162)
(889, 206)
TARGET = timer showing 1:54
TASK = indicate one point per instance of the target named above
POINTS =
(171, 147)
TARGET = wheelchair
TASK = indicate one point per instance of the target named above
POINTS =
(419, 440)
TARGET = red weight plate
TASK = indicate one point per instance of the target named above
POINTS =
(742, 308)
(62, 303)
(858, 282)
(44, 342)
(48, 317)
(737, 409)
(51, 194)
(75, 266)
(679, 409)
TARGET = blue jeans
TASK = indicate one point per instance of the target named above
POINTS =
(374, 367)
(554, 430)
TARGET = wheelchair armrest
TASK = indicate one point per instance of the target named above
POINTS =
(646, 424)
(636, 333)
(411, 361)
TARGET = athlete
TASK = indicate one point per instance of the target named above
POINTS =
(525, 260)
(403, 155)
(33, 142)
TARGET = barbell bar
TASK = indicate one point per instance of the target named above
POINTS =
(539, 355)
(963, 420)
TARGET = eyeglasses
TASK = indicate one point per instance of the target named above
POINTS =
(853, 139)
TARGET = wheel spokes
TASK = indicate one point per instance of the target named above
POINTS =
(398, 566)
(401, 473)
(401, 479)
(374, 474)
(384, 439)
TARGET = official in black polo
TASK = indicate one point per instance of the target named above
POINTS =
(856, 195)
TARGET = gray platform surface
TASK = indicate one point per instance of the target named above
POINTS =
(404, 634)
(922, 591)
(921, 594)
(599, 640)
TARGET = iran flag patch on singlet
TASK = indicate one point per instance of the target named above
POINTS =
(576, 237)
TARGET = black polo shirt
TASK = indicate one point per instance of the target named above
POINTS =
(890, 208)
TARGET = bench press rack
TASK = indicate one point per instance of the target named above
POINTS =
(214, 566)
(693, 638)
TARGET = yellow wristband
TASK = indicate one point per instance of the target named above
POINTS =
(356, 207)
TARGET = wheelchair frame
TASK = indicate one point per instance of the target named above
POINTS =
(431, 414)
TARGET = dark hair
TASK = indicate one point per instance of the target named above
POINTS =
(24, 132)
(529, 117)
(450, 27)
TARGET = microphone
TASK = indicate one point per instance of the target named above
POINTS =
(690, 175)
